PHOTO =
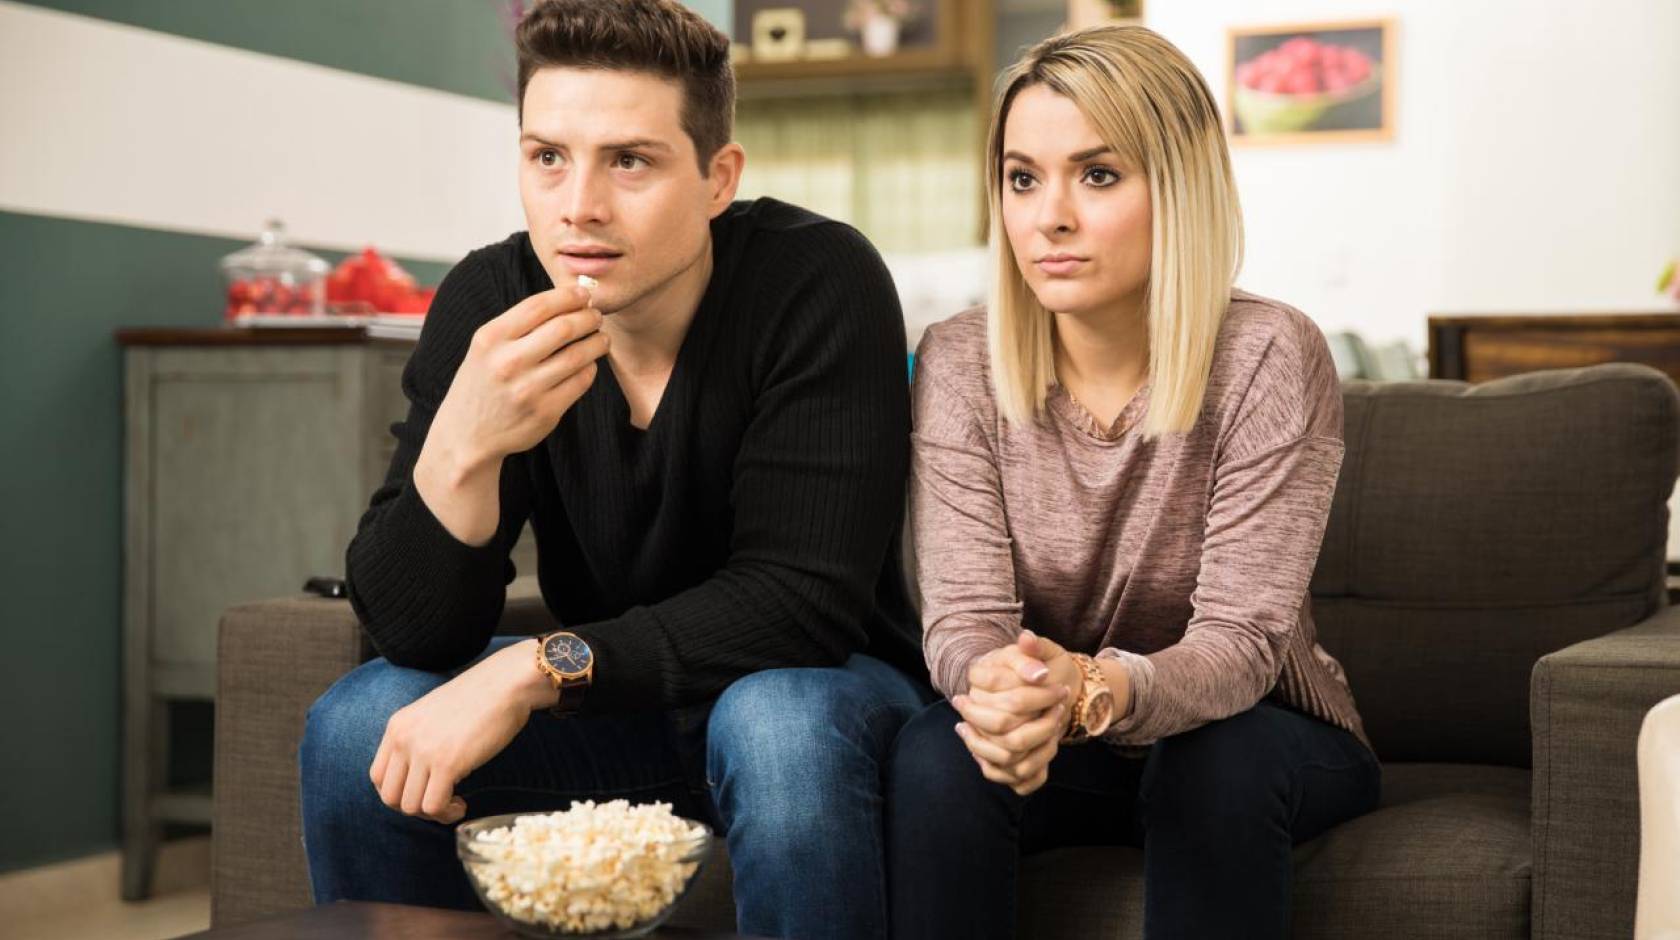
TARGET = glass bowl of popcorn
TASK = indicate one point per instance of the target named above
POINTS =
(596, 870)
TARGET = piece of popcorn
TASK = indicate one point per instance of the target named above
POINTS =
(588, 283)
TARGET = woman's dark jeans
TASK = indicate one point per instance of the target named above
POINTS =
(1216, 810)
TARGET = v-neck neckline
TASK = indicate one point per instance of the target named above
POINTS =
(698, 332)
(1061, 401)
(621, 401)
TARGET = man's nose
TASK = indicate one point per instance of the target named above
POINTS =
(585, 200)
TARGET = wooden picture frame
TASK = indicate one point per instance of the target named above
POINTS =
(1337, 87)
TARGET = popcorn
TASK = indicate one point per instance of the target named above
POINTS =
(588, 283)
(590, 868)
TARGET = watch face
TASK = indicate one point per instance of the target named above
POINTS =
(1099, 713)
(568, 654)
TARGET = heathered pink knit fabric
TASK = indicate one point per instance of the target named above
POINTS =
(1186, 558)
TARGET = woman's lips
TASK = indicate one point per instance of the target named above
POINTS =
(592, 265)
(1059, 266)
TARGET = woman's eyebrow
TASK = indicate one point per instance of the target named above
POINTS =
(1079, 157)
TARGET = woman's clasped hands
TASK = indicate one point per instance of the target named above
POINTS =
(1015, 711)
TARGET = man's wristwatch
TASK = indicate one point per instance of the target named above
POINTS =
(569, 663)
(1093, 712)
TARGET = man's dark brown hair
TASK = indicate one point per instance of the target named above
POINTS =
(661, 37)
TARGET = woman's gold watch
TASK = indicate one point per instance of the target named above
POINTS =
(1093, 711)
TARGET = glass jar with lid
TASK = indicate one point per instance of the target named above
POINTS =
(273, 279)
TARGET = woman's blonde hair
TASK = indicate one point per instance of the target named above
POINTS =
(1151, 106)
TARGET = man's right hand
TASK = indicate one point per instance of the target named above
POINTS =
(522, 371)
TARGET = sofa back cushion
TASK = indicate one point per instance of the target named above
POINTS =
(1477, 528)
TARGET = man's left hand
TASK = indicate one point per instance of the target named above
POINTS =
(432, 744)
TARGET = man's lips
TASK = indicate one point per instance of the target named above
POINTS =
(593, 262)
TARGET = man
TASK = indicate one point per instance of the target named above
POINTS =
(710, 446)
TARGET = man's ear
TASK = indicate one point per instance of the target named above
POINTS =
(724, 177)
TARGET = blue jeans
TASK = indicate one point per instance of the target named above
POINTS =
(787, 763)
(1216, 810)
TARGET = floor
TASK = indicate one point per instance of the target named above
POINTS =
(79, 900)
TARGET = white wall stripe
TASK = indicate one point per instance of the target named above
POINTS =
(112, 123)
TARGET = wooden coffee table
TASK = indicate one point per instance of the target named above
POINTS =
(359, 920)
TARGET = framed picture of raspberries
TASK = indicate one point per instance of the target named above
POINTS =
(1312, 82)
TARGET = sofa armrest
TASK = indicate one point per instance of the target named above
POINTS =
(1587, 702)
(274, 658)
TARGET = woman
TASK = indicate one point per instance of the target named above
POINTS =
(1122, 472)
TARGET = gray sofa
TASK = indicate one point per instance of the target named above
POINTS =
(1492, 578)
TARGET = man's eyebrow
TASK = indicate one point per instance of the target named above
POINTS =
(635, 143)
(1079, 157)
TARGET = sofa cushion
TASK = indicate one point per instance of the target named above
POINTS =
(1446, 855)
(1477, 527)
(1451, 684)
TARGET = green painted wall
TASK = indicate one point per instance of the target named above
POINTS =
(394, 39)
(61, 489)
(720, 12)
(452, 45)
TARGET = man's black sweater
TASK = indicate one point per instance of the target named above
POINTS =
(754, 524)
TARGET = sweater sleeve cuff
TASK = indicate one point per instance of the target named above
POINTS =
(948, 669)
(629, 658)
(1142, 674)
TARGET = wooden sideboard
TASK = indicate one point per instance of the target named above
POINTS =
(249, 457)
(1479, 348)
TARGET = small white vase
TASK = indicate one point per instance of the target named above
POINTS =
(880, 35)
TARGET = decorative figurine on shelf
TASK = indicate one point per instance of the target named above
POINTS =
(1083, 13)
(878, 23)
(1669, 283)
(778, 35)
